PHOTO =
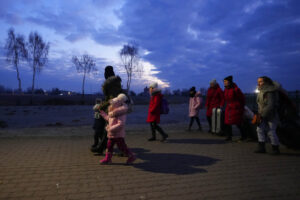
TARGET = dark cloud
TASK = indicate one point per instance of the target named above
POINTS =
(195, 42)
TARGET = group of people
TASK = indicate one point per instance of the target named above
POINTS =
(111, 112)
(233, 100)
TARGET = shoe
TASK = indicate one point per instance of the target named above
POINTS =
(261, 148)
(94, 149)
(131, 159)
(164, 138)
(107, 159)
(152, 139)
(228, 139)
(275, 150)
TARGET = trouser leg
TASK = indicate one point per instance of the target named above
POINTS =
(191, 122)
(209, 122)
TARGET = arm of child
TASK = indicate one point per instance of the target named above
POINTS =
(104, 115)
(118, 111)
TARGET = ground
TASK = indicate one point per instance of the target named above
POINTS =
(54, 162)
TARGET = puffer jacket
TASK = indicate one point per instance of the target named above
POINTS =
(214, 99)
(155, 106)
(116, 122)
(235, 102)
(267, 101)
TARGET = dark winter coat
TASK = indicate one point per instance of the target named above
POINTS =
(214, 99)
(235, 102)
(111, 88)
(155, 106)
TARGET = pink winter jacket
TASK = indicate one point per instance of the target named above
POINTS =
(116, 122)
(194, 105)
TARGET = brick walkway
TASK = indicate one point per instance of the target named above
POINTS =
(189, 166)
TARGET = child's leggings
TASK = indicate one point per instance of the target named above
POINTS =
(120, 143)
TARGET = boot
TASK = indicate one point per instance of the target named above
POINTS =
(165, 136)
(153, 138)
(131, 159)
(261, 148)
(107, 158)
(275, 150)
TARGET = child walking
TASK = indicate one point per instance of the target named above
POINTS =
(99, 132)
(116, 117)
(194, 107)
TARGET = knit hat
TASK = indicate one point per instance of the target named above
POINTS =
(213, 81)
(228, 78)
(153, 85)
(193, 89)
(109, 71)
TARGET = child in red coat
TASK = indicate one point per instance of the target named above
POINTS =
(154, 112)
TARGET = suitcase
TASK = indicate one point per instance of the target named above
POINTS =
(216, 120)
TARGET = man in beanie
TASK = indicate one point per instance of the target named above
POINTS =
(214, 99)
(111, 88)
(154, 112)
(235, 102)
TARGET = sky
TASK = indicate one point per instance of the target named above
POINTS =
(182, 43)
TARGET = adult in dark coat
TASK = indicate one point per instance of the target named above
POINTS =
(154, 112)
(111, 88)
(214, 99)
(235, 102)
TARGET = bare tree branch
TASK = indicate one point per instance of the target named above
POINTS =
(16, 49)
(129, 58)
(85, 64)
(38, 54)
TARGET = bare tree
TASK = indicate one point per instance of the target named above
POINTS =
(16, 49)
(38, 54)
(129, 57)
(85, 64)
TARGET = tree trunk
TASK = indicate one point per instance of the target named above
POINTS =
(32, 88)
(82, 94)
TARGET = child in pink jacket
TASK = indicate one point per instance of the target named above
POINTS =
(194, 107)
(116, 118)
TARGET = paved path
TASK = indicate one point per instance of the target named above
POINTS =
(191, 165)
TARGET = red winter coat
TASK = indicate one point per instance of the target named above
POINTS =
(235, 102)
(154, 107)
(214, 99)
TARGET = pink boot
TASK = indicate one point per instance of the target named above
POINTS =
(131, 159)
(107, 158)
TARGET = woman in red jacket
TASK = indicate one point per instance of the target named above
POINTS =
(235, 102)
(154, 112)
(214, 99)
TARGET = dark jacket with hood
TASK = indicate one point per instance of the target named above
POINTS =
(111, 88)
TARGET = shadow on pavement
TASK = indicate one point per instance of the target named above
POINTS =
(196, 141)
(171, 163)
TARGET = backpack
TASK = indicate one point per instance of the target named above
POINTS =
(164, 107)
(287, 110)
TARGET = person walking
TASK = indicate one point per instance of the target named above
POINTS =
(194, 107)
(214, 99)
(154, 112)
(116, 118)
(111, 88)
(235, 102)
(267, 116)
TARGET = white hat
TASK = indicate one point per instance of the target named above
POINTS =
(213, 81)
(122, 97)
(153, 85)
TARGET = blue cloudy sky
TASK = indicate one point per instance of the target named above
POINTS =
(182, 43)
